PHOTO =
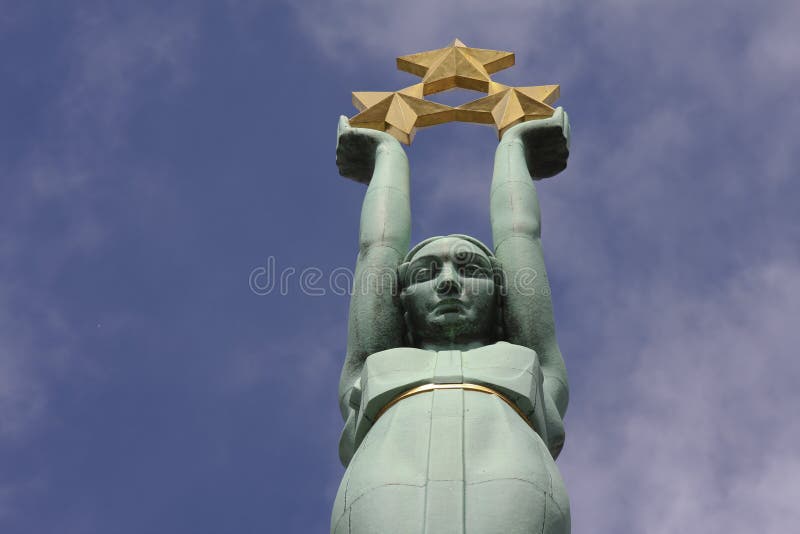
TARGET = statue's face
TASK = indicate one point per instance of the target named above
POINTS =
(450, 294)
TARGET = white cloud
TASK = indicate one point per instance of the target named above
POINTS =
(681, 88)
(22, 399)
(298, 376)
(665, 35)
(111, 55)
(671, 235)
(36, 344)
(107, 57)
(312, 361)
(689, 423)
(710, 58)
(384, 29)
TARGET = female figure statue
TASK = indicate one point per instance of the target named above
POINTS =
(453, 388)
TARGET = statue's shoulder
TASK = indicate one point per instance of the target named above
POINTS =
(394, 352)
(502, 355)
(503, 348)
(398, 359)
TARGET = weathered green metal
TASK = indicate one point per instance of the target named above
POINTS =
(476, 451)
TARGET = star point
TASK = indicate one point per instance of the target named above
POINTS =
(399, 113)
(506, 106)
(455, 66)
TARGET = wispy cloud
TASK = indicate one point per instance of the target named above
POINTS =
(112, 54)
(377, 30)
(671, 238)
(65, 172)
(688, 420)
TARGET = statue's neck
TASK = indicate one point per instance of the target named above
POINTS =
(454, 345)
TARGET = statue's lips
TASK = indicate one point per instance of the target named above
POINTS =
(449, 306)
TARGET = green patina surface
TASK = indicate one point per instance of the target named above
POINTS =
(451, 311)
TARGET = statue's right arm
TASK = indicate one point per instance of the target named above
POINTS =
(376, 321)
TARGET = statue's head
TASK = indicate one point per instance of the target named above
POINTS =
(451, 289)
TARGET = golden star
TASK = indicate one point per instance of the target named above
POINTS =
(456, 66)
(399, 113)
(506, 106)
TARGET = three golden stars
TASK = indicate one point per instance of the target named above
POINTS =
(456, 66)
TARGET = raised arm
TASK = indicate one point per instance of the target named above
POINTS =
(531, 150)
(375, 322)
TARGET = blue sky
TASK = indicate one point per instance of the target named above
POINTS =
(153, 155)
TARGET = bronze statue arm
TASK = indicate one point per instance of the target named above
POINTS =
(375, 321)
(531, 150)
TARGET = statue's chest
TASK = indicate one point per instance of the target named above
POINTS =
(507, 372)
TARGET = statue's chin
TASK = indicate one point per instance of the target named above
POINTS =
(446, 327)
(446, 321)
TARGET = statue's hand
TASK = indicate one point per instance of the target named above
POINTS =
(546, 143)
(356, 149)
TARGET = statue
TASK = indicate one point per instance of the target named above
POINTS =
(453, 388)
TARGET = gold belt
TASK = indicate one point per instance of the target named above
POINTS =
(424, 388)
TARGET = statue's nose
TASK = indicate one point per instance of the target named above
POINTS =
(448, 282)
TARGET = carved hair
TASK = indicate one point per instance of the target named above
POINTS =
(497, 268)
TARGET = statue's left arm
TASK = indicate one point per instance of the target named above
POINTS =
(529, 151)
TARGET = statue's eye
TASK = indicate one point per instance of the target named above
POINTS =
(424, 273)
(473, 270)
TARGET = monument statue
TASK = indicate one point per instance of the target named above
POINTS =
(453, 388)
